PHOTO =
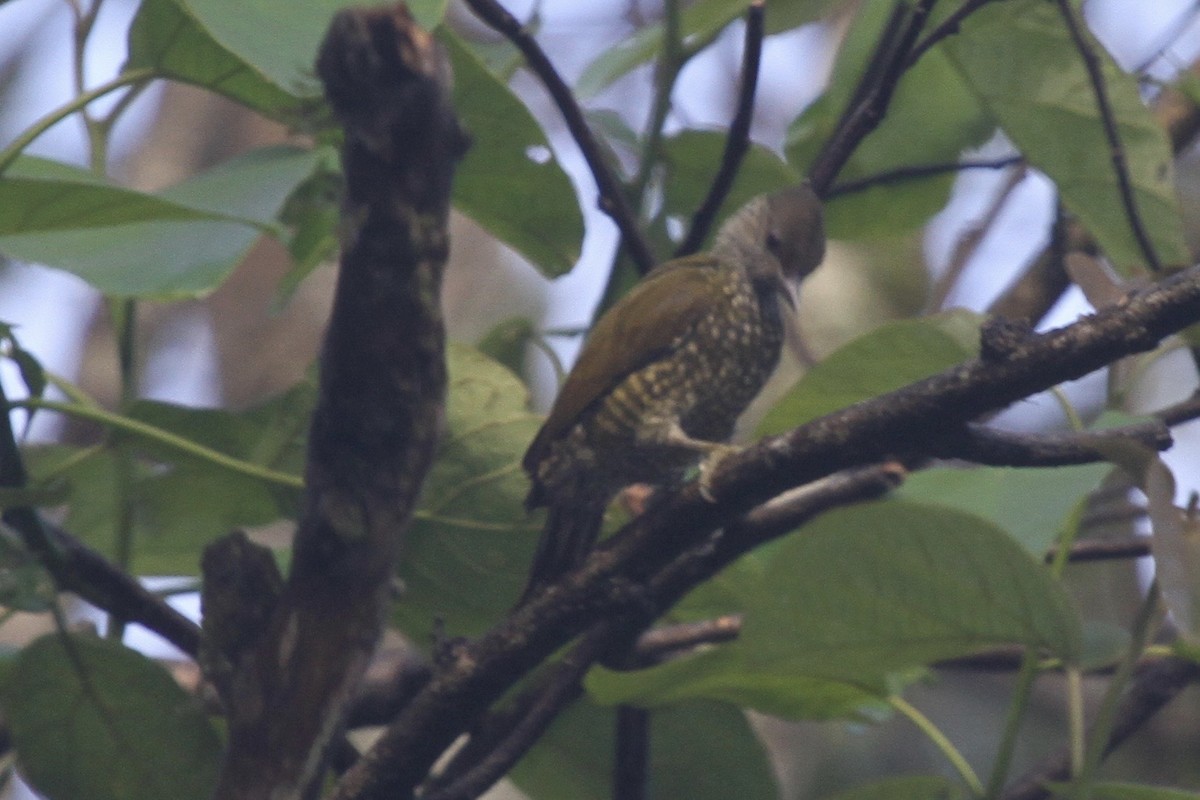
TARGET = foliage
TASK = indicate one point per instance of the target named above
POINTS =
(840, 619)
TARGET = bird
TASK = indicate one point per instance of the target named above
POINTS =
(665, 373)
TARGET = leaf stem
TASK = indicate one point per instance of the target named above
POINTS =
(9, 154)
(165, 437)
(1012, 725)
(935, 735)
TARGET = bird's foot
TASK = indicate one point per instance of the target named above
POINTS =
(708, 467)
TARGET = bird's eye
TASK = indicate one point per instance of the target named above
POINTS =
(773, 244)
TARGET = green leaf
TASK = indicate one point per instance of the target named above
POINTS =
(170, 258)
(699, 24)
(90, 718)
(726, 674)
(891, 356)
(1032, 505)
(692, 744)
(471, 528)
(890, 585)
(166, 37)
(912, 787)
(932, 118)
(220, 44)
(1019, 60)
(37, 194)
(509, 182)
(838, 612)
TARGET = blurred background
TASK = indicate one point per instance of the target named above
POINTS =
(234, 347)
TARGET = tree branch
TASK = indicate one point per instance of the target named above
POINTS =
(983, 445)
(649, 551)
(903, 174)
(375, 424)
(75, 567)
(613, 200)
(738, 140)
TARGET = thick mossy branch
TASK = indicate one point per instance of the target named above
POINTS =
(375, 426)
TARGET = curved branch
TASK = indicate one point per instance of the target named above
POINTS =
(612, 194)
(738, 140)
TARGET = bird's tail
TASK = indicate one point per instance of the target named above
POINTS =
(567, 538)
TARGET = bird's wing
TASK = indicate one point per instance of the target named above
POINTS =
(636, 332)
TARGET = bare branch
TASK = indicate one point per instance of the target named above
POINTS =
(738, 140)
(612, 194)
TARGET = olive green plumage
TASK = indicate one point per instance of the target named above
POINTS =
(666, 372)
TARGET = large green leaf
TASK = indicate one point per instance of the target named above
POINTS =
(166, 37)
(1032, 505)
(39, 195)
(510, 182)
(154, 251)
(932, 118)
(701, 750)
(90, 718)
(893, 355)
(471, 543)
(219, 45)
(1019, 60)
(863, 594)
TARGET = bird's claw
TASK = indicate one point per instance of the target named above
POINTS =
(708, 468)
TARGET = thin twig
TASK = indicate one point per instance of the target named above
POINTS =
(948, 27)
(904, 174)
(613, 200)
(1120, 167)
(738, 140)
(876, 89)
(659, 643)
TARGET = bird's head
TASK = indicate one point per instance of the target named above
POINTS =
(783, 232)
